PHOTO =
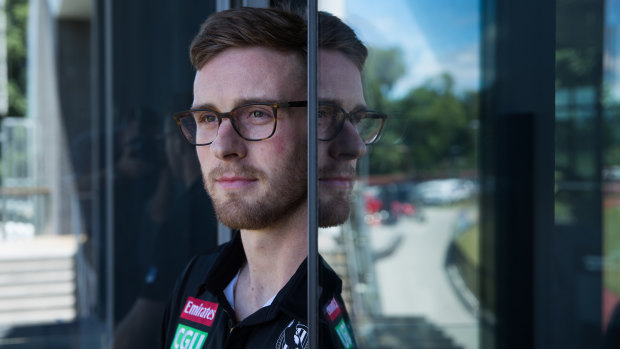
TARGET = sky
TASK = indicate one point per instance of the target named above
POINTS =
(435, 36)
(444, 36)
(611, 61)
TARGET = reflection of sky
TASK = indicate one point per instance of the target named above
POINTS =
(612, 49)
(435, 36)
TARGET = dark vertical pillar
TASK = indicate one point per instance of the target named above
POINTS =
(143, 76)
(517, 165)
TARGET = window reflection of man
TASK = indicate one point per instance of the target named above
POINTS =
(177, 224)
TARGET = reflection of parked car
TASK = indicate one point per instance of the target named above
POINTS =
(611, 173)
(385, 204)
(446, 191)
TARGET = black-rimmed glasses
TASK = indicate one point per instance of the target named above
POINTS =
(367, 123)
(253, 121)
(257, 122)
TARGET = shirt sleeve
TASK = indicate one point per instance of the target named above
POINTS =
(337, 319)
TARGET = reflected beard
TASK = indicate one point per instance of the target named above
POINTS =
(334, 211)
(334, 207)
(282, 193)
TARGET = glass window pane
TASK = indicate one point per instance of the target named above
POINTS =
(52, 277)
(101, 199)
(408, 255)
(611, 172)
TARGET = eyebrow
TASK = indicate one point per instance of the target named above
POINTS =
(357, 107)
(238, 102)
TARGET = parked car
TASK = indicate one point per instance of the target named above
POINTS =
(446, 191)
(387, 203)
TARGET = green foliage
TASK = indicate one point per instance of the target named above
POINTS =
(382, 69)
(16, 23)
(429, 130)
(611, 136)
(574, 67)
(611, 275)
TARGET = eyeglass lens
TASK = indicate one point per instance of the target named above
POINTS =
(331, 121)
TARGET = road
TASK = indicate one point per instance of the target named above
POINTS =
(413, 281)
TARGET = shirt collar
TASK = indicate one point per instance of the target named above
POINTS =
(289, 298)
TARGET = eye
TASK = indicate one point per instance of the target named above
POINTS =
(357, 117)
(257, 114)
(254, 115)
(205, 118)
(322, 114)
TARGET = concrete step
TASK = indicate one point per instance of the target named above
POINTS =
(34, 304)
(42, 290)
(36, 278)
(24, 317)
(41, 264)
(37, 281)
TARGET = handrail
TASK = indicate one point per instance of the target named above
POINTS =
(24, 191)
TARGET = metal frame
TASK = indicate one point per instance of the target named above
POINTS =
(313, 207)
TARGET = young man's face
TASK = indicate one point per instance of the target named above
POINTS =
(254, 183)
(257, 184)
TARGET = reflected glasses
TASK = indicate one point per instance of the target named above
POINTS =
(331, 118)
(257, 122)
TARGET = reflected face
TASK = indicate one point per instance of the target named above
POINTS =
(254, 184)
(339, 83)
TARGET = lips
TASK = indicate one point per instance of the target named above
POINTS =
(337, 177)
(337, 181)
(234, 182)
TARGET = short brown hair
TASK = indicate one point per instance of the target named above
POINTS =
(334, 34)
(275, 28)
(248, 27)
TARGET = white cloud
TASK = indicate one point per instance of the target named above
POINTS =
(396, 28)
(464, 66)
(611, 68)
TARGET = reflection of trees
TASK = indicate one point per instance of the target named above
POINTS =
(16, 18)
(429, 130)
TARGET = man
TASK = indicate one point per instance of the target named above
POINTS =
(248, 122)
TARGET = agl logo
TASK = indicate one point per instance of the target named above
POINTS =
(188, 338)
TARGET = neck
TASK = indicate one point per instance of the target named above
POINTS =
(273, 255)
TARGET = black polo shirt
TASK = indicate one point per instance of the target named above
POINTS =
(199, 316)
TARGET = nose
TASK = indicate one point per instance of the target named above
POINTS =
(348, 145)
(228, 145)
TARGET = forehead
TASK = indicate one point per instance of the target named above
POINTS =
(339, 80)
(254, 73)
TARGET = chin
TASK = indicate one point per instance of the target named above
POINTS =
(333, 213)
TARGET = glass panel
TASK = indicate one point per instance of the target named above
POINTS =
(101, 200)
(587, 207)
(51, 280)
(611, 172)
(408, 255)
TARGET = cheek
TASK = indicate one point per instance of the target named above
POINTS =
(322, 150)
(279, 146)
(292, 138)
(203, 154)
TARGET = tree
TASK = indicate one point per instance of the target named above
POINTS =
(16, 26)
(429, 130)
(382, 70)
